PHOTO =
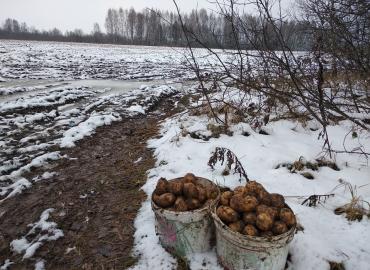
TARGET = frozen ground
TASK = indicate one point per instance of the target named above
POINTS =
(36, 124)
(50, 97)
(53, 95)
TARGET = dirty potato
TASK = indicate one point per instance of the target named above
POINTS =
(261, 208)
(225, 198)
(176, 187)
(287, 216)
(190, 178)
(243, 204)
(193, 203)
(155, 198)
(277, 200)
(263, 197)
(165, 200)
(279, 227)
(253, 187)
(212, 192)
(264, 222)
(190, 190)
(249, 218)
(236, 226)
(240, 190)
(250, 230)
(162, 186)
(180, 204)
(202, 193)
(227, 214)
(273, 212)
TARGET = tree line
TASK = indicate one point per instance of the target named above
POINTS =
(164, 28)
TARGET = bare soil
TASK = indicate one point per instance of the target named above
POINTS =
(96, 196)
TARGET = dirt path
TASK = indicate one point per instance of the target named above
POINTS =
(96, 196)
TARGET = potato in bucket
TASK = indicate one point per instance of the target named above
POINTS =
(182, 218)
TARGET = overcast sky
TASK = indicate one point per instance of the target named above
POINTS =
(71, 14)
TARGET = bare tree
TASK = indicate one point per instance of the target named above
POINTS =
(131, 20)
(305, 83)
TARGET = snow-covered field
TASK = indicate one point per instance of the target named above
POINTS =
(66, 61)
(47, 102)
(54, 94)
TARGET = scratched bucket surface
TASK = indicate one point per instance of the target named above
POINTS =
(236, 251)
(183, 233)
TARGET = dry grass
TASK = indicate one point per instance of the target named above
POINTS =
(336, 266)
(357, 208)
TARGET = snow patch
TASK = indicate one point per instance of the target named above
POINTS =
(41, 232)
(6, 264)
(137, 109)
(86, 128)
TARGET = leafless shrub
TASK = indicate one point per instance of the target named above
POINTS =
(314, 200)
(221, 155)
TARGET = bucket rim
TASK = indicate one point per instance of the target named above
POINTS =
(208, 205)
(276, 238)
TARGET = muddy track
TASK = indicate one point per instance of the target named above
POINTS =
(96, 196)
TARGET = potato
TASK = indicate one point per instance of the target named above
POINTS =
(266, 234)
(279, 227)
(273, 212)
(193, 203)
(190, 190)
(288, 217)
(237, 226)
(261, 208)
(243, 204)
(190, 178)
(250, 230)
(227, 214)
(249, 218)
(240, 190)
(176, 187)
(212, 192)
(202, 193)
(155, 198)
(264, 222)
(277, 200)
(162, 186)
(225, 197)
(253, 187)
(165, 200)
(180, 204)
(263, 197)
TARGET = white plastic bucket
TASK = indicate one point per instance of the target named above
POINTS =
(183, 233)
(236, 251)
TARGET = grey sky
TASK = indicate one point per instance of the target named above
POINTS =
(71, 14)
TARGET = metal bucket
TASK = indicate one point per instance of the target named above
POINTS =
(236, 251)
(183, 233)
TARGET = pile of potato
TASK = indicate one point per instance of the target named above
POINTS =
(183, 194)
(252, 211)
